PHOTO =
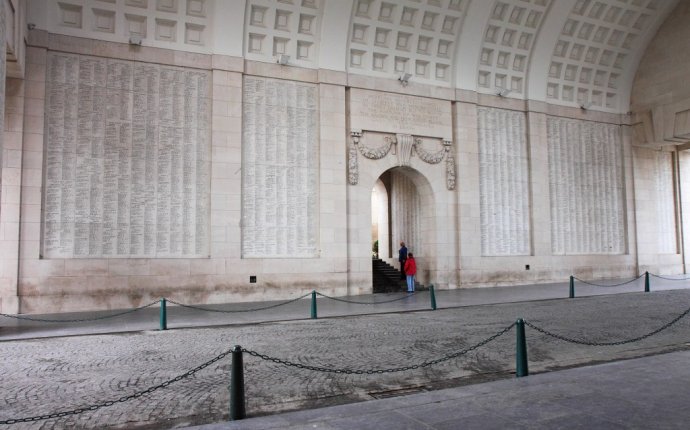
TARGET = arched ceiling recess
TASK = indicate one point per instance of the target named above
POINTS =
(283, 27)
(567, 52)
(506, 46)
(389, 38)
(598, 50)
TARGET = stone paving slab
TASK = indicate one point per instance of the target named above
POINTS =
(628, 394)
(41, 376)
(180, 317)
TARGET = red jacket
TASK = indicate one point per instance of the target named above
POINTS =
(410, 266)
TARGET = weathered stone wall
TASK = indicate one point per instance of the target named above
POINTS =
(219, 273)
(435, 138)
(664, 69)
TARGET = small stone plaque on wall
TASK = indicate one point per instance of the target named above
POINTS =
(280, 169)
(127, 159)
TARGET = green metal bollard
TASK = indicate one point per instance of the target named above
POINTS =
(163, 315)
(432, 295)
(237, 402)
(572, 287)
(521, 350)
(646, 282)
(313, 305)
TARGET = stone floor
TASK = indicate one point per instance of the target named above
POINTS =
(52, 374)
(641, 393)
(179, 317)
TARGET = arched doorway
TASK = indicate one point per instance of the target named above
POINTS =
(401, 210)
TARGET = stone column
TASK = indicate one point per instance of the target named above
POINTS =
(631, 216)
(333, 184)
(32, 171)
(684, 196)
(10, 177)
(469, 222)
(540, 207)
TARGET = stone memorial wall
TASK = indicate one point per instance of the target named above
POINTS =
(280, 162)
(503, 182)
(587, 187)
(665, 203)
(127, 159)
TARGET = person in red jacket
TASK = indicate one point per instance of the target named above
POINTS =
(410, 271)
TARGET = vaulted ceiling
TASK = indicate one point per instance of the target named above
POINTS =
(570, 52)
(567, 52)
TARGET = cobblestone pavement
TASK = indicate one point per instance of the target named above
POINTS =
(41, 376)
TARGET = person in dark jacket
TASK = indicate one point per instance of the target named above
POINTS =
(402, 256)
(410, 271)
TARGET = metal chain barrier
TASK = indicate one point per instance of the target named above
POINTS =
(620, 342)
(613, 285)
(104, 317)
(199, 308)
(366, 303)
(346, 371)
(669, 279)
(178, 378)
(120, 400)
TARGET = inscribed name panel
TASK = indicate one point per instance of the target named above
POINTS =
(503, 182)
(587, 187)
(127, 166)
(280, 162)
(665, 203)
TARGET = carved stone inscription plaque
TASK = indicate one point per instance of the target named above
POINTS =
(503, 182)
(587, 187)
(280, 159)
(397, 113)
(126, 159)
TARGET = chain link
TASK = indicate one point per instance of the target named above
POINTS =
(288, 363)
(27, 318)
(346, 371)
(614, 285)
(199, 308)
(123, 399)
(620, 342)
(669, 279)
(366, 303)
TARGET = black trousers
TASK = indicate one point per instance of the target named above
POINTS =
(402, 269)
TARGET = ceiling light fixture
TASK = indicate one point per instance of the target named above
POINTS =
(503, 92)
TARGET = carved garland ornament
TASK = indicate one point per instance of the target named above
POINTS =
(427, 156)
(407, 145)
(352, 167)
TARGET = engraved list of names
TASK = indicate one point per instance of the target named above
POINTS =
(587, 188)
(127, 159)
(503, 182)
(279, 169)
